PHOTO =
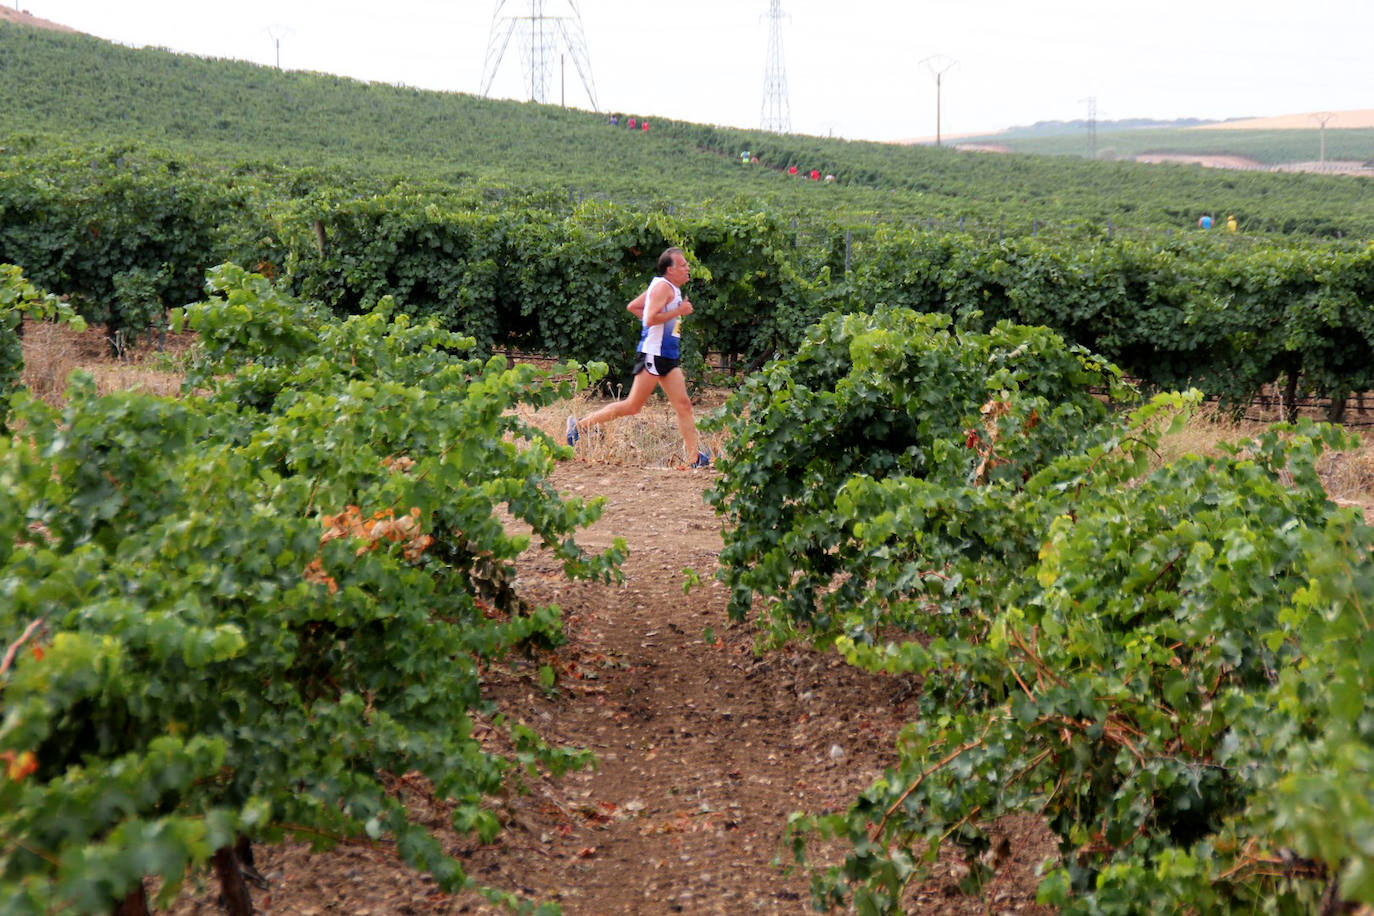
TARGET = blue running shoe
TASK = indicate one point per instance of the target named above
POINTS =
(703, 460)
(572, 431)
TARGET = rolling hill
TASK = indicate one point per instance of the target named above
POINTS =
(71, 89)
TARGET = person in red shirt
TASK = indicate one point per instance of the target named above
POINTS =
(792, 170)
(815, 174)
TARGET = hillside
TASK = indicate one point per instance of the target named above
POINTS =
(22, 17)
(259, 120)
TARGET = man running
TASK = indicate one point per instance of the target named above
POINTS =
(659, 309)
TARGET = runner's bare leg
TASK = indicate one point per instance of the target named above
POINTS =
(642, 387)
(675, 386)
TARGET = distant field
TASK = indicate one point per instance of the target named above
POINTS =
(1269, 147)
(1306, 121)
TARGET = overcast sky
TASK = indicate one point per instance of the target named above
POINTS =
(859, 69)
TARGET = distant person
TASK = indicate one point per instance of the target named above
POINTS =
(1205, 222)
(829, 179)
(614, 122)
(815, 174)
(1231, 224)
(632, 124)
(644, 126)
(660, 309)
(792, 170)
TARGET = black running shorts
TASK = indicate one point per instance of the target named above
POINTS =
(655, 365)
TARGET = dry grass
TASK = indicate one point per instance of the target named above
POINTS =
(52, 352)
(1348, 476)
(648, 439)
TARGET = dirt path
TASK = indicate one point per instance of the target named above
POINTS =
(704, 748)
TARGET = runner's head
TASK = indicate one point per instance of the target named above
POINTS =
(672, 266)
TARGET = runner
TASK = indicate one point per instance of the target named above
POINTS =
(659, 309)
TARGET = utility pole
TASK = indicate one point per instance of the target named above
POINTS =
(1321, 118)
(277, 33)
(776, 116)
(549, 24)
(937, 64)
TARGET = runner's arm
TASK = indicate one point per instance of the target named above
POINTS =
(654, 309)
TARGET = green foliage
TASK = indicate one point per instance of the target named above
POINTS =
(20, 299)
(552, 282)
(247, 114)
(1173, 666)
(235, 612)
(1170, 665)
(539, 274)
(509, 277)
(123, 237)
(894, 394)
(125, 231)
(1228, 319)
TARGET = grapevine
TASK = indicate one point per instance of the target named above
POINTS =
(1146, 656)
(237, 610)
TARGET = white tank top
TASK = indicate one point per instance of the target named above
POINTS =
(661, 339)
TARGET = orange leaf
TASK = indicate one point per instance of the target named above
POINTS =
(21, 766)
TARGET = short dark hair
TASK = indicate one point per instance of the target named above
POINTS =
(665, 260)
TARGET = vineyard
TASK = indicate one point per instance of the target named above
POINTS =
(1149, 666)
(309, 129)
(127, 235)
(315, 600)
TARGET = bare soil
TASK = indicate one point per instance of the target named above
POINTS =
(24, 17)
(1214, 162)
(704, 746)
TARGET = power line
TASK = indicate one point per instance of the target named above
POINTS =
(776, 115)
(547, 27)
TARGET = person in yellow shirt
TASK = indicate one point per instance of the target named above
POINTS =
(1231, 224)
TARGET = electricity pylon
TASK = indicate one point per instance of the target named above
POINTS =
(549, 25)
(776, 117)
(1092, 125)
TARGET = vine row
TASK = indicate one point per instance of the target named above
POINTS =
(1168, 661)
(230, 615)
